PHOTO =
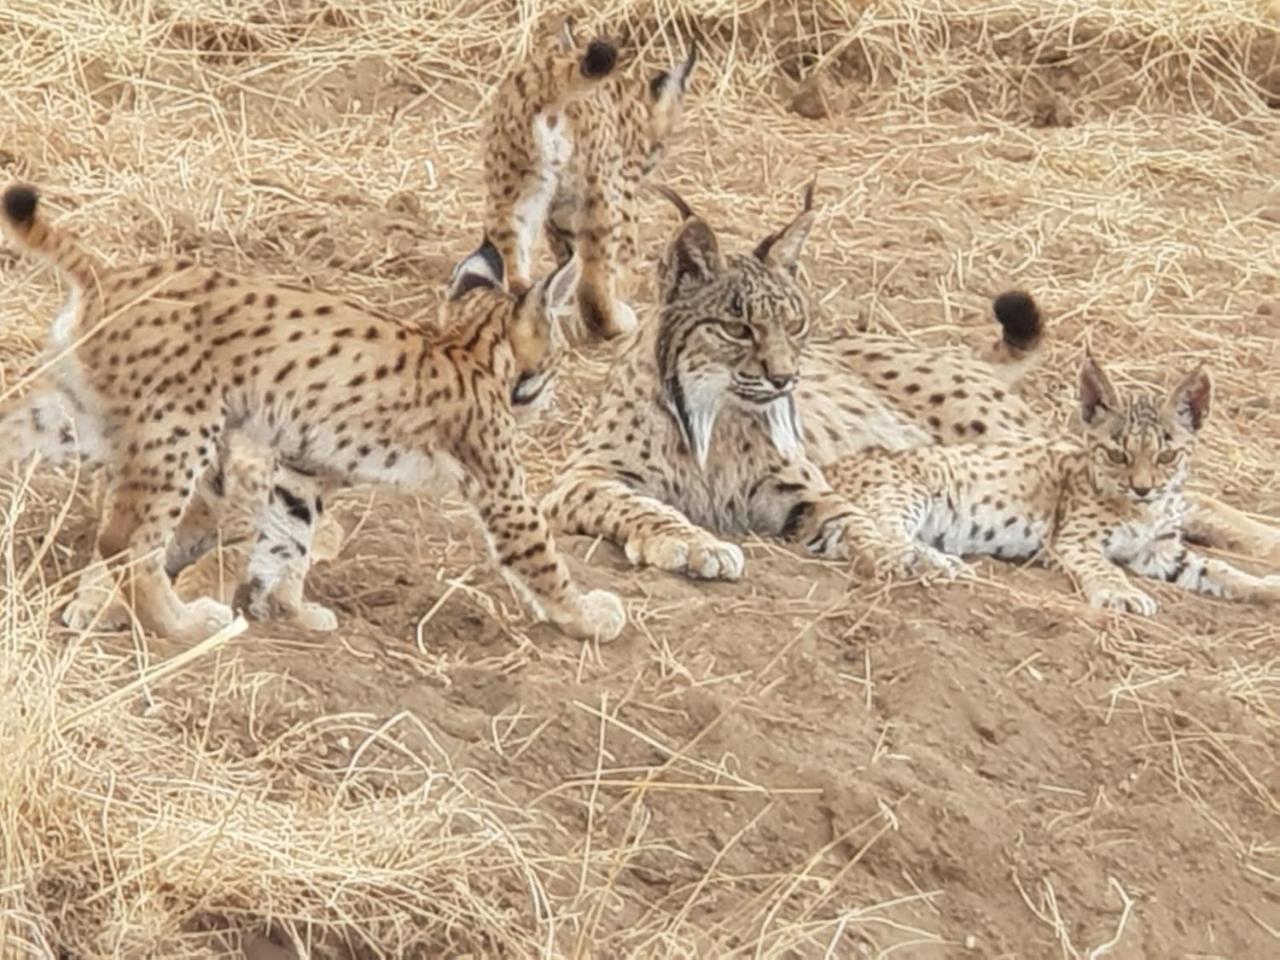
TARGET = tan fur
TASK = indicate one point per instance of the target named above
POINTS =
(716, 421)
(163, 361)
(565, 153)
(1092, 504)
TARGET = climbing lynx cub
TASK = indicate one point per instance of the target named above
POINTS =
(567, 144)
(1111, 499)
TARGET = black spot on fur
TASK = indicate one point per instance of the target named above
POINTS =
(600, 59)
(1019, 318)
(296, 506)
(20, 202)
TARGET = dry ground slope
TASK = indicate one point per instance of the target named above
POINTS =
(791, 766)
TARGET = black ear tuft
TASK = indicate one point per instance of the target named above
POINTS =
(600, 59)
(20, 202)
(689, 63)
(657, 84)
(676, 201)
(1019, 318)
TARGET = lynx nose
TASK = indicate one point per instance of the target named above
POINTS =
(782, 381)
(1141, 491)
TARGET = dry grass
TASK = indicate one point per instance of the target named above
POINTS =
(1111, 157)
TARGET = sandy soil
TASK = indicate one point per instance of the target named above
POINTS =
(794, 765)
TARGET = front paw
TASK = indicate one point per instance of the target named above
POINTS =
(1124, 600)
(93, 607)
(601, 616)
(695, 553)
(201, 619)
(922, 563)
(313, 616)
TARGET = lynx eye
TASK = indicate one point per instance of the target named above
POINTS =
(1117, 456)
(736, 331)
(1167, 457)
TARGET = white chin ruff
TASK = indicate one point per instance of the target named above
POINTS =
(784, 427)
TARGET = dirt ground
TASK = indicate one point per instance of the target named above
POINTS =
(795, 765)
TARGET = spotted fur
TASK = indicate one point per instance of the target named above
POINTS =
(238, 564)
(568, 141)
(1110, 498)
(715, 422)
(152, 367)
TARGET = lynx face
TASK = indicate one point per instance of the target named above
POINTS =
(1140, 447)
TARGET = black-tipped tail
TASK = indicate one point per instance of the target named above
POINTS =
(599, 60)
(20, 203)
(1019, 318)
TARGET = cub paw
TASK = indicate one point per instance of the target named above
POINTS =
(696, 554)
(202, 618)
(313, 616)
(93, 608)
(1124, 600)
(601, 617)
(624, 319)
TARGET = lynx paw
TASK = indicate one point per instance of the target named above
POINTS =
(601, 616)
(1124, 600)
(93, 608)
(696, 554)
(202, 618)
(923, 563)
(313, 616)
(624, 319)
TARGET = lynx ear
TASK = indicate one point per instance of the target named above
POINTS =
(1096, 393)
(564, 35)
(562, 285)
(693, 257)
(1189, 403)
(672, 84)
(781, 250)
(481, 268)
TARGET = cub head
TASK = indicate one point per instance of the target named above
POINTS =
(478, 295)
(732, 329)
(1140, 445)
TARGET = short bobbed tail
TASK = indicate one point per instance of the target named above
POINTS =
(27, 230)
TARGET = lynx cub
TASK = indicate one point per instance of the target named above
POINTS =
(151, 368)
(567, 143)
(1111, 499)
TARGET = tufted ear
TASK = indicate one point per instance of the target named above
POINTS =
(781, 250)
(693, 256)
(672, 84)
(1190, 400)
(564, 35)
(481, 268)
(1097, 396)
(562, 286)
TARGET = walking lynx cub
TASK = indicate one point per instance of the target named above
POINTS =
(567, 143)
(1113, 498)
(152, 367)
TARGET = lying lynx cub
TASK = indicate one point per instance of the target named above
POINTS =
(1112, 499)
